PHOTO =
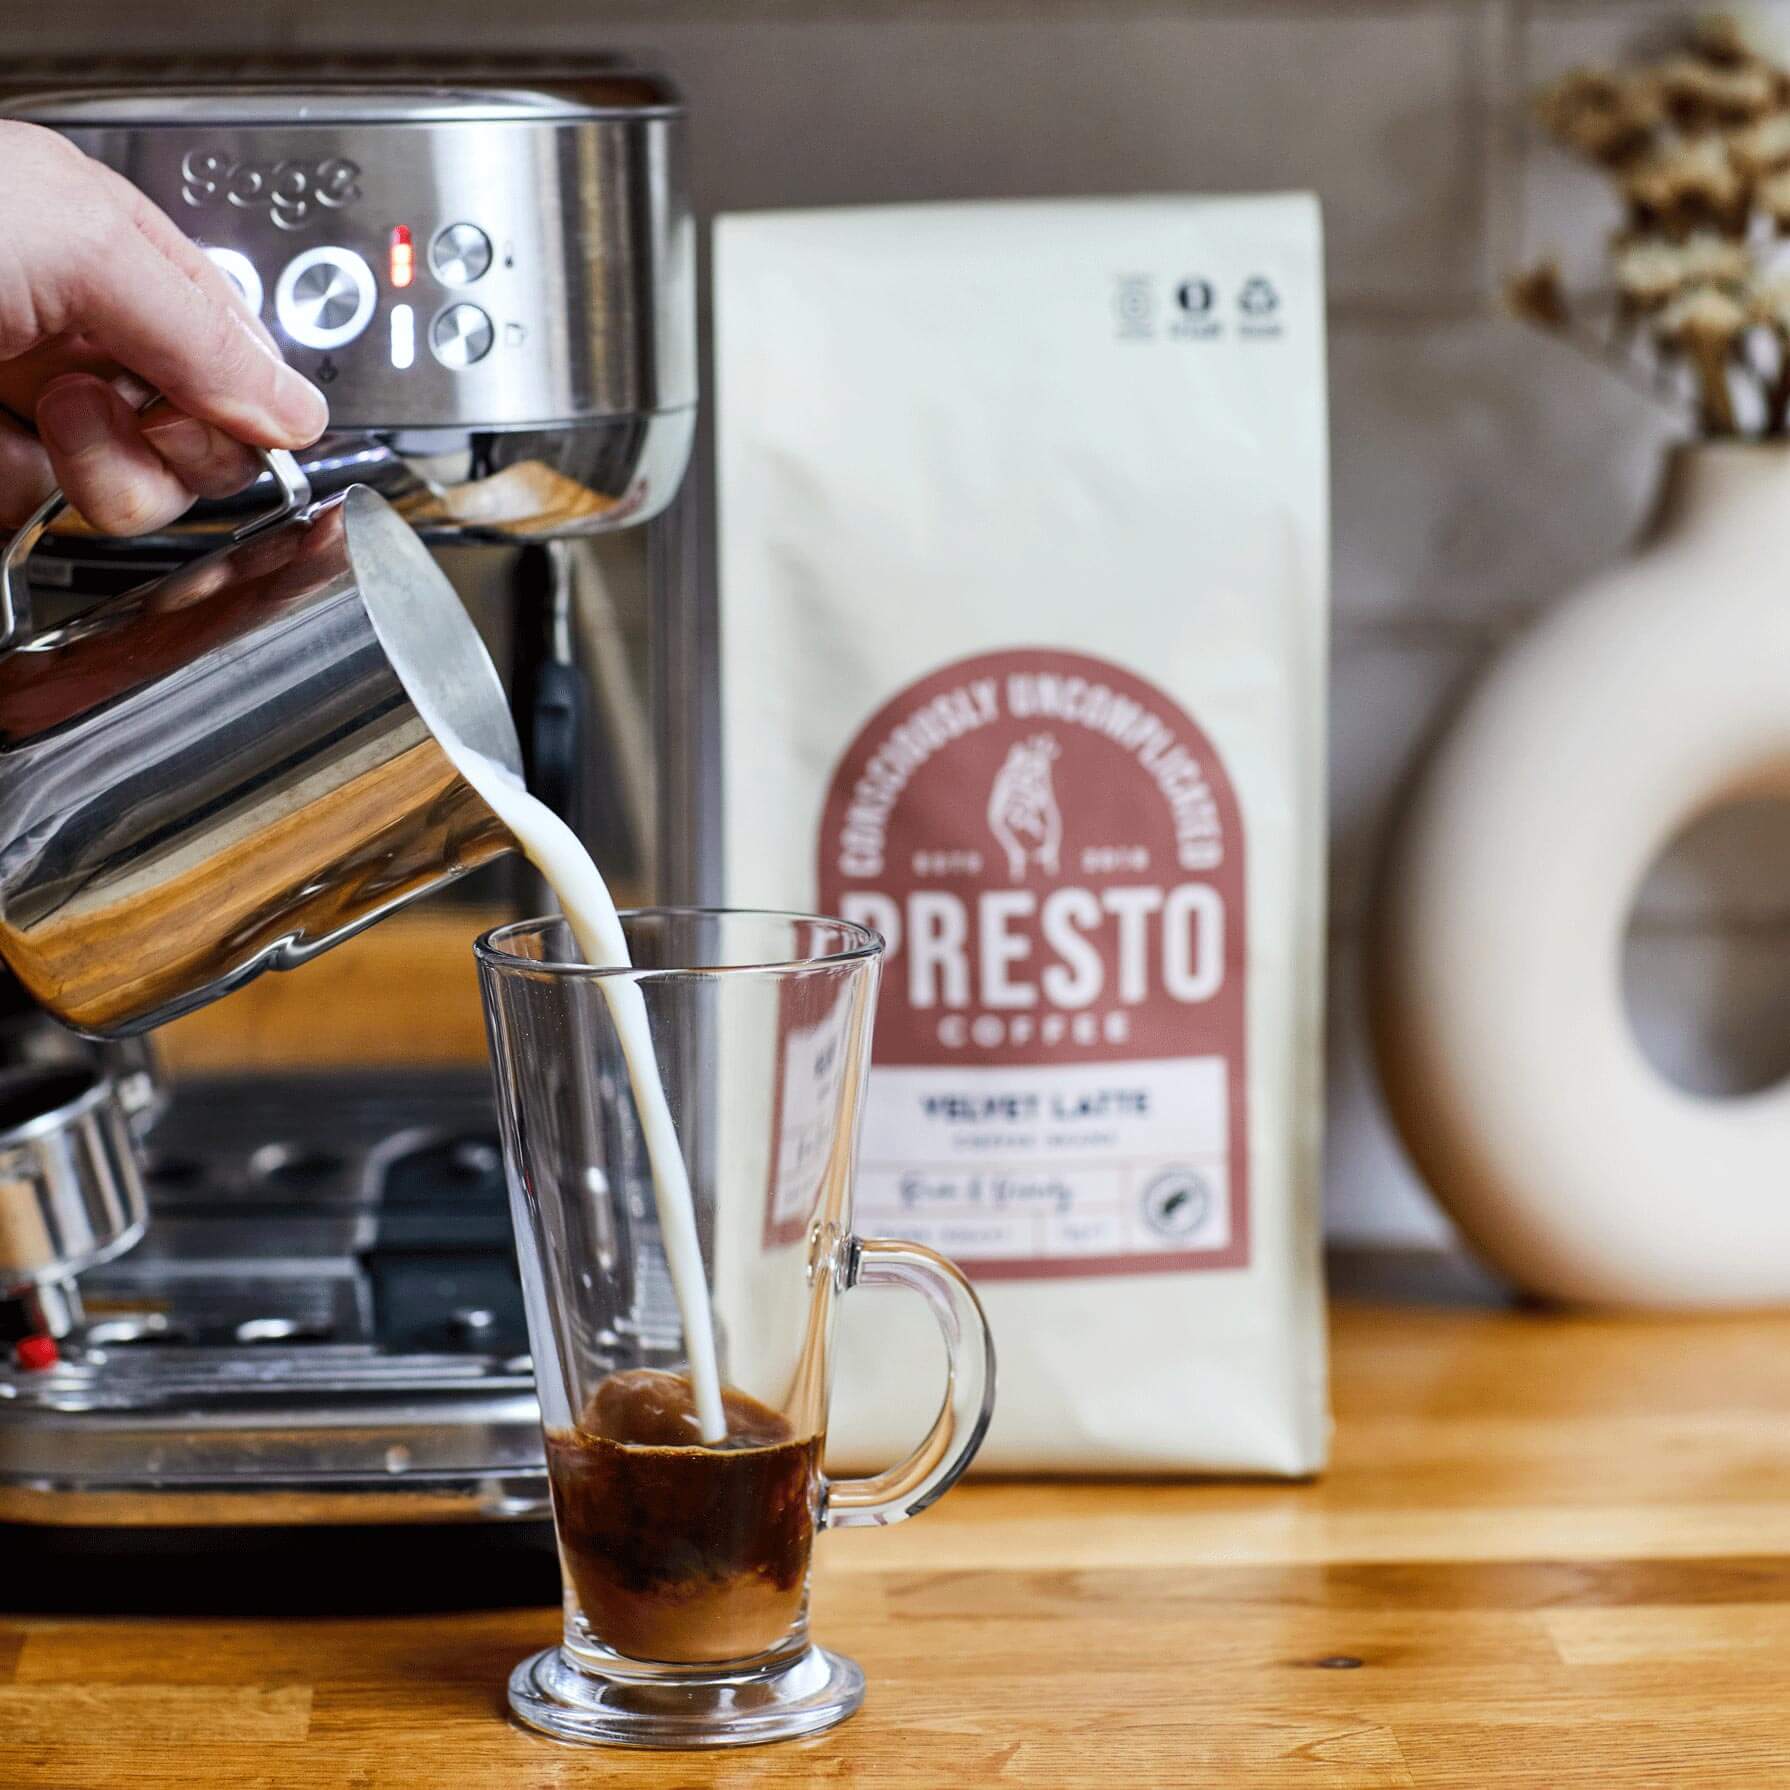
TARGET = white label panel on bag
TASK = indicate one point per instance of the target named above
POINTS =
(1078, 1168)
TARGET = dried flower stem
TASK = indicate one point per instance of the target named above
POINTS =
(1611, 340)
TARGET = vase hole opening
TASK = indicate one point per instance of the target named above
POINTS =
(1705, 962)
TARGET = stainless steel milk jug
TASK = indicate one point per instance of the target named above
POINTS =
(236, 766)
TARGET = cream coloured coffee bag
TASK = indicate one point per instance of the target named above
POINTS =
(1023, 538)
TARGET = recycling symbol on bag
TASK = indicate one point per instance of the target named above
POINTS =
(1258, 298)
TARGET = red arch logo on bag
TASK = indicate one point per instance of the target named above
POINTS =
(1054, 853)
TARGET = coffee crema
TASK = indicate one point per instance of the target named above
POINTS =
(679, 1551)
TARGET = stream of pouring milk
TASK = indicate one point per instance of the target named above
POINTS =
(554, 850)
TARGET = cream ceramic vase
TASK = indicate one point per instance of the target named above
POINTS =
(1656, 693)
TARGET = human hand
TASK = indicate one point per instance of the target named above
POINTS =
(103, 302)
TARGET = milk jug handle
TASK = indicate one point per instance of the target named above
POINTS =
(15, 589)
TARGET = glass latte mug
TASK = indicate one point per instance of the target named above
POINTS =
(661, 1314)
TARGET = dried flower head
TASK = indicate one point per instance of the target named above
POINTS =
(1761, 147)
(1701, 95)
(1539, 297)
(1602, 115)
(1704, 315)
(1697, 145)
(1723, 39)
(1687, 185)
(1772, 197)
(1770, 303)
(1651, 270)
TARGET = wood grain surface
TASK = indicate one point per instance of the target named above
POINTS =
(1552, 1552)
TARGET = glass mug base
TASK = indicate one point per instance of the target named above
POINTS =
(556, 1693)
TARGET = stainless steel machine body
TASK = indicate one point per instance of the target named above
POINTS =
(495, 287)
(495, 290)
(318, 1327)
(71, 1188)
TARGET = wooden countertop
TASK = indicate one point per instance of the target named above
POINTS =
(1552, 1551)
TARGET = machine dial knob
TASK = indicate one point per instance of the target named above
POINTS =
(240, 271)
(460, 254)
(325, 297)
(461, 336)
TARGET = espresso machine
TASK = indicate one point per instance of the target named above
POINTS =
(269, 1299)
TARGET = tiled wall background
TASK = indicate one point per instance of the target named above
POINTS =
(1480, 471)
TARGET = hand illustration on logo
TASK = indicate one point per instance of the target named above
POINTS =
(1022, 808)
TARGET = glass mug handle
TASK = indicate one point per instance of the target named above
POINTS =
(907, 1488)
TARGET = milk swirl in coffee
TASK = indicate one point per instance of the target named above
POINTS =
(680, 1552)
(554, 849)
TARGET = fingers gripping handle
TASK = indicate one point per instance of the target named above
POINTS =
(906, 1489)
(15, 590)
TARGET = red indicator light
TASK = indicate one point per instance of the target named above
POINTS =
(36, 1352)
(403, 256)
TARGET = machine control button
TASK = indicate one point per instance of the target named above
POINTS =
(461, 336)
(243, 275)
(325, 297)
(460, 254)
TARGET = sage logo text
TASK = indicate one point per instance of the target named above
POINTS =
(291, 192)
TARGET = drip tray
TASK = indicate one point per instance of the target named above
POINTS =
(324, 1324)
(147, 1306)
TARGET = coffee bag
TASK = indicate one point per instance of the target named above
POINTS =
(1023, 539)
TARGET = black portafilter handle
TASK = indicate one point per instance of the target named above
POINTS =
(570, 756)
(13, 998)
(553, 736)
(18, 1014)
(30, 1035)
(32, 1039)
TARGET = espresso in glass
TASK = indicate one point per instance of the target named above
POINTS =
(679, 1550)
